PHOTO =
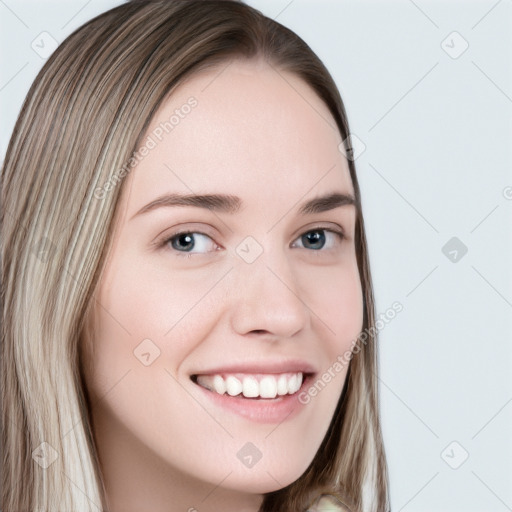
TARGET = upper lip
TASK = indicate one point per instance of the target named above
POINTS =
(270, 366)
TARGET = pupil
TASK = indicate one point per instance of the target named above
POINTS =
(314, 238)
(189, 241)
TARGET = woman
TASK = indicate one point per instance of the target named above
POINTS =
(186, 275)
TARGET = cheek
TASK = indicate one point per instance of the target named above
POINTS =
(151, 302)
(336, 299)
(148, 311)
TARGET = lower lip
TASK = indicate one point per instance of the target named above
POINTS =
(260, 410)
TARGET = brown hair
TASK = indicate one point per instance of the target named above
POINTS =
(83, 118)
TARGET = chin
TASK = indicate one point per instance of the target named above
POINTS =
(266, 479)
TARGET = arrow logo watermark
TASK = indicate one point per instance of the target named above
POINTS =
(146, 352)
(454, 249)
(249, 249)
(249, 455)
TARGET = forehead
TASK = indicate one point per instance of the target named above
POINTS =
(245, 128)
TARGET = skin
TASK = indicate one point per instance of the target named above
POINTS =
(267, 138)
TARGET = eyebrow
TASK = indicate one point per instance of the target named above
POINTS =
(224, 203)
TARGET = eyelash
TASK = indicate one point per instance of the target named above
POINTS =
(182, 254)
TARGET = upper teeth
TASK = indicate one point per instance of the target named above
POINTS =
(266, 386)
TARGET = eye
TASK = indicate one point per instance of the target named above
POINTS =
(321, 238)
(186, 243)
(190, 242)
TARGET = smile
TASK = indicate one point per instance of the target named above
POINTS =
(252, 385)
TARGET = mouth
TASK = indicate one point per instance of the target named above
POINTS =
(253, 386)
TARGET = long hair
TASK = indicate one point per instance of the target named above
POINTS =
(82, 120)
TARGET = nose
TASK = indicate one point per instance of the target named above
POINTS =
(267, 299)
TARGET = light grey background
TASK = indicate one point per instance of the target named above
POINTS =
(436, 124)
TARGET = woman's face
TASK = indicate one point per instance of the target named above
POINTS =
(255, 289)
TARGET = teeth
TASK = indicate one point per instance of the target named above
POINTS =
(282, 385)
(233, 386)
(219, 385)
(251, 388)
(268, 386)
(294, 383)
